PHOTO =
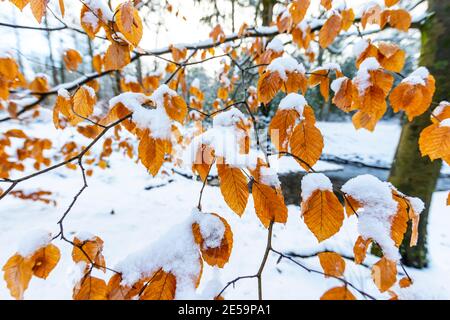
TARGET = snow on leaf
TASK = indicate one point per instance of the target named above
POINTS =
(215, 239)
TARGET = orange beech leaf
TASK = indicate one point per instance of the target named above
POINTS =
(84, 101)
(117, 56)
(323, 214)
(391, 57)
(94, 24)
(45, 260)
(38, 8)
(360, 249)
(176, 107)
(367, 121)
(15, 133)
(20, 3)
(351, 205)
(441, 112)
(348, 16)
(116, 291)
(320, 77)
(268, 86)
(72, 59)
(399, 223)
(281, 127)
(295, 81)
(129, 23)
(217, 34)
(412, 98)
(306, 143)
(62, 7)
(151, 152)
(384, 274)
(39, 84)
(332, 264)
(217, 256)
(302, 37)
(233, 186)
(91, 251)
(448, 199)
(330, 30)
(97, 63)
(298, 10)
(400, 19)
(17, 274)
(162, 286)
(369, 51)
(372, 15)
(344, 96)
(269, 203)
(326, 4)
(204, 158)
(390, 3)
(90, 288)
(434, 141)
(338, 293)
(405, 282)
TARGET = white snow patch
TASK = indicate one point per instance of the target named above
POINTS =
(374, 221)
(293, 101)
(33, 241)
(315, 181)
(285, 64)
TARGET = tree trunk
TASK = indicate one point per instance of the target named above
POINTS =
(52, 60)
(267, 12)
(411, 173)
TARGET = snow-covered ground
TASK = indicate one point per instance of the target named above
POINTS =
(117, 208)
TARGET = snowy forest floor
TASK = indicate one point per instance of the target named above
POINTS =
(117, 207)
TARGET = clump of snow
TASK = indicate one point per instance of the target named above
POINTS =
(33, 241)
(91, 19)
(130, 79)
(212, 228)
(90, 90)
(293, 101)
(337, 83)
(360, 46)
(102, 6)
(362, 78)
(374, 222)
(84, 236)
(328, 66)
(156, 119)
(417, 77)
(228, 118)
(175, 252)
(269, 177)
(275, 45)
(440, 108)
(64, 93)
(285, 64)
(225, 138)
(315, 181)
(445, 123)
(417, 204)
